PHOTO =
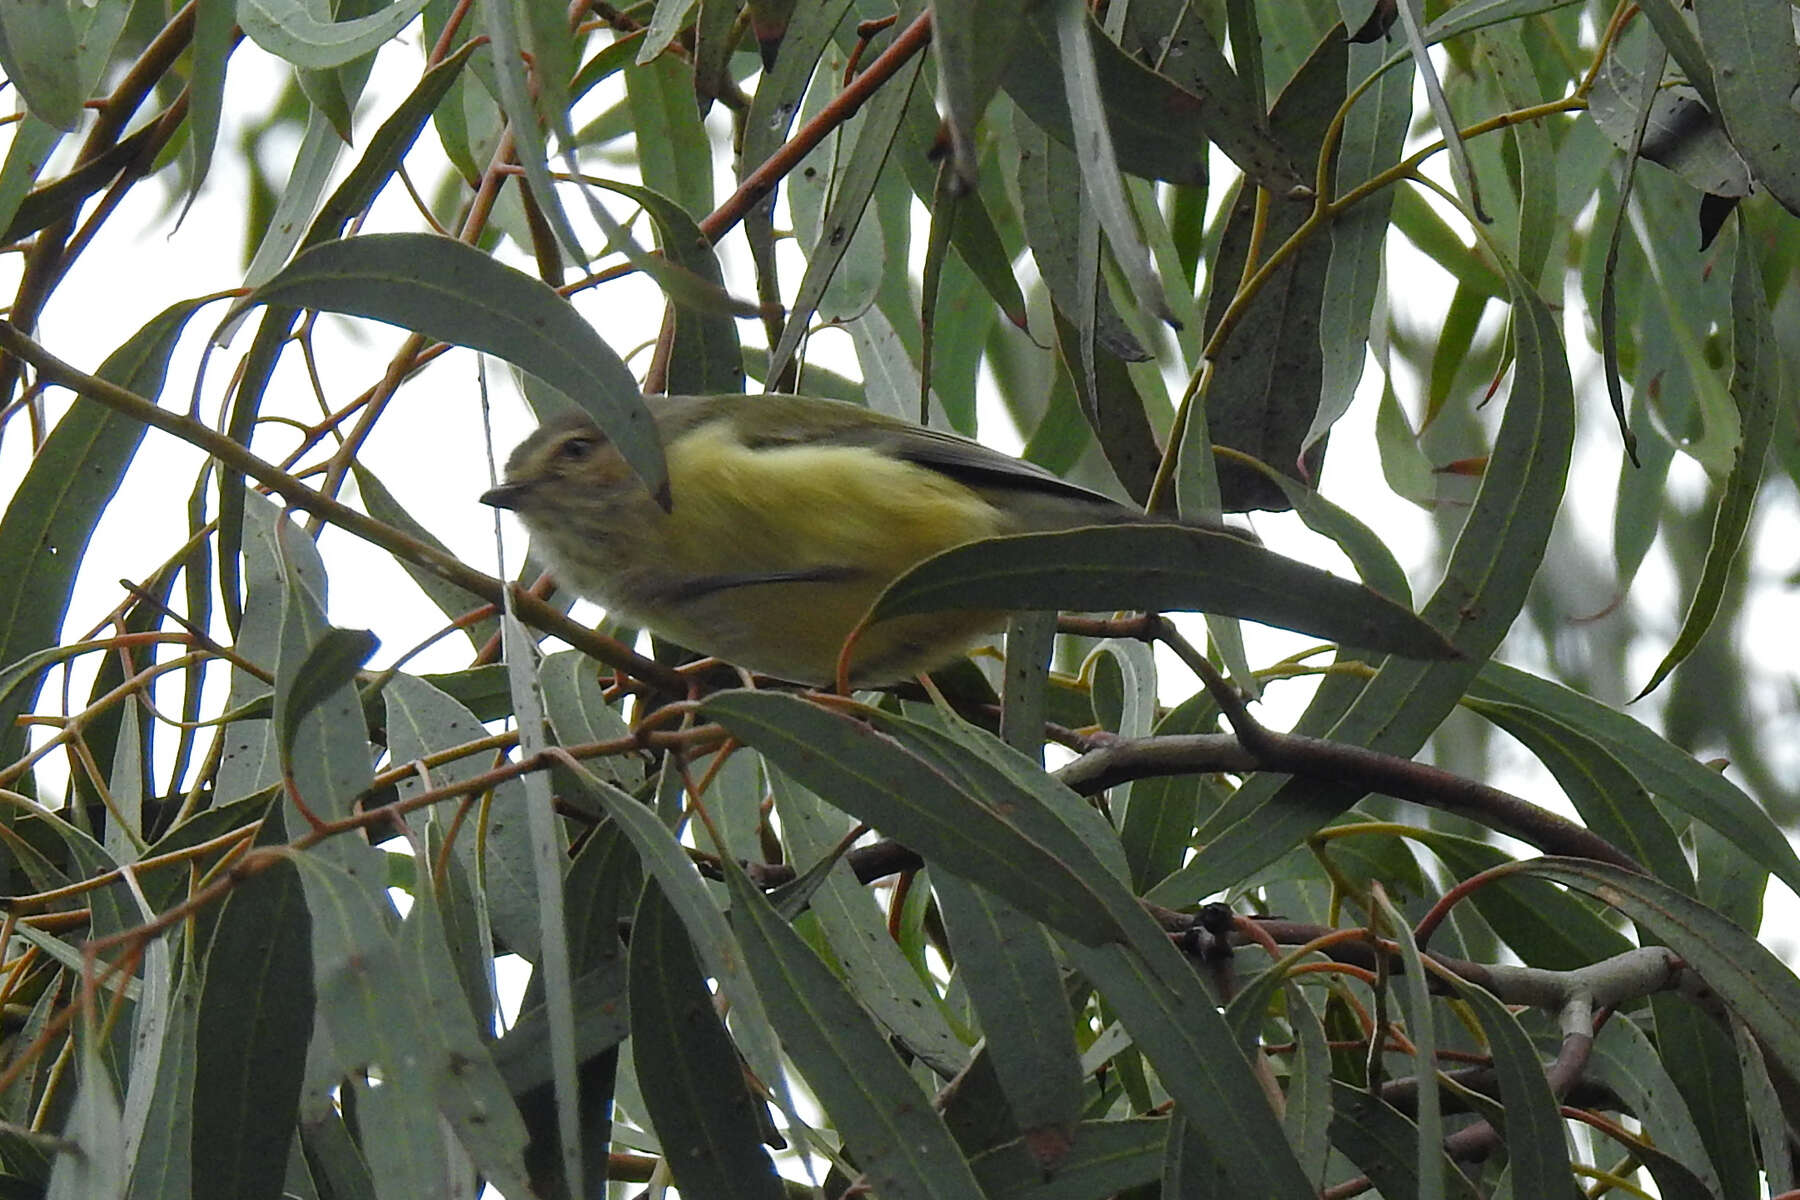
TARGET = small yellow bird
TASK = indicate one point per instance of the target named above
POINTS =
(788, 516)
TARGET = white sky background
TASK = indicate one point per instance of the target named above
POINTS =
(429, 451)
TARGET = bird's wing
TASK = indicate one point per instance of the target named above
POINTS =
(971, 462)
(810, 421)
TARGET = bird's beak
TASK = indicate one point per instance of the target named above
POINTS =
(507, 495)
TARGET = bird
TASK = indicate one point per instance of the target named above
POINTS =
(786, 517)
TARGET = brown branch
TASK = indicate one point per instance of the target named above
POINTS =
(762, 181)
(441, 563)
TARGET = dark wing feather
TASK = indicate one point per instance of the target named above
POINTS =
(812, 421)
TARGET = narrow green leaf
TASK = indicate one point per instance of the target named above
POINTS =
(778, 94)
(456, 293)
(1308, 1116)
(256, 1012)
(95, 1165)
(400, 1140)
(1507, 65)
(1667, 770)
(1412, 20)
(320, 741)
(1159, 130)
(1009, 967)
(313, 165)
(50, 517)
(549, 857)
(1412, 989)
(513, 91)
(576, 707)
(1726, 879)
(452, 1064)
(1106, 1157)
(1535, 1154)
(421, 720)
(1161, 1001)
(673, 155)
(1383, 1142)
(40, 44)
(667, 862)
(1178, 41)
(698, 1106)
(976, 235)
(1752, 41)
(902, 1146)
(1265, 392)
(873, 967)
(1699, 1055)
(333, 1159)
(1485, 585)
(1051, 215)
(707, 357)
(1677, 32)
(32, 143)
(1766, 1114)
(853, 185)
(1373, 138)
(666, 20)
(1093, 144)
(289, 30)
(213, 22)
(1024, 703)
(1756, 388)
(1157, 830)
(163, 1159)
(1624, 1059)
(331, 662)
(1159, 568)
(874, 777)
(1746, 975)
(973, 45)
(1404, 463)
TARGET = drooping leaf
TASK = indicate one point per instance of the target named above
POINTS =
(51, 516)
(1158, 568)
(454, 292)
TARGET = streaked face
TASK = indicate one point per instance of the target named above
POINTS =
(567, 466)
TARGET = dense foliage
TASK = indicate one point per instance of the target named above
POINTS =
(267, 879)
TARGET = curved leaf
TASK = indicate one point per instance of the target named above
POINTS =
(1755, 984)
(1265, 392)
(1756, 388)
(1159, 568)
(878, 779)
(38, 43)
(1667, 770)
(1485, 584)
(698, 1103)
(455, 293)
(51, 516)
(1159, 130)
(901, 1144)
(289, 29)
(1759, 73)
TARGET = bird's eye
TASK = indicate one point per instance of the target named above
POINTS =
(576, 448)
